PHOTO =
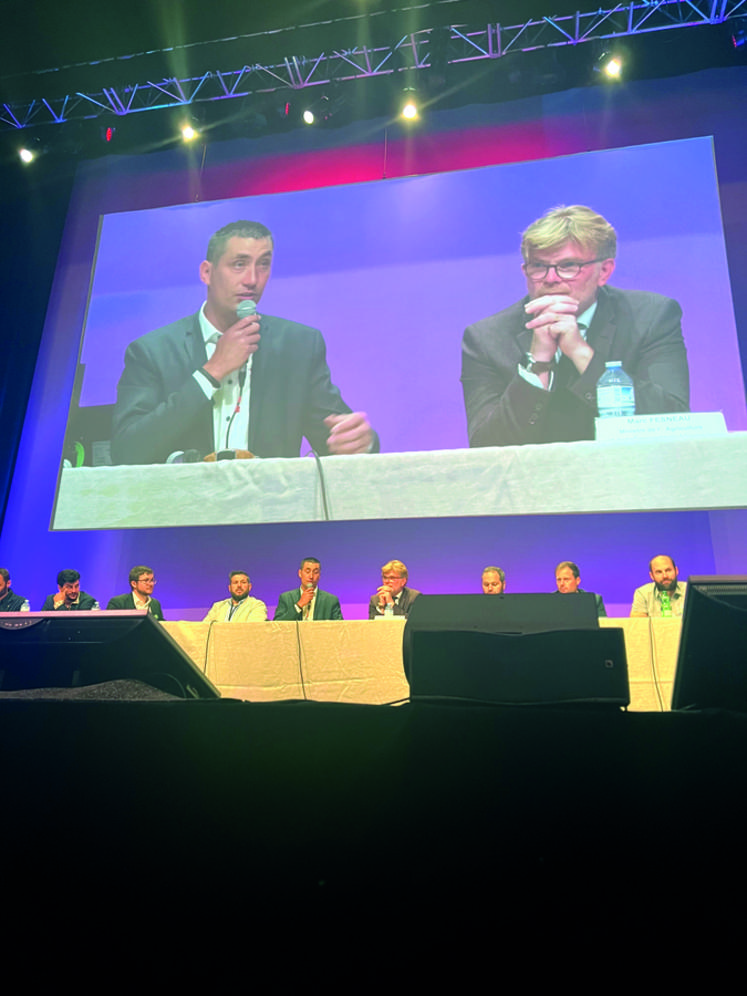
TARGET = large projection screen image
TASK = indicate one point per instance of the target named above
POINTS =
(364, 309)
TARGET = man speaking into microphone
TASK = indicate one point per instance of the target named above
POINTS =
(230, 377)
(308, 602)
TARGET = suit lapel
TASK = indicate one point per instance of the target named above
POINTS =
(194, 345)
(601, 333)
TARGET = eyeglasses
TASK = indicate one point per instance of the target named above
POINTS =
(147, 581)
(567, 269)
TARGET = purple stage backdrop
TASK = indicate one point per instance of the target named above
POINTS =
(393, 271)
(414, 270)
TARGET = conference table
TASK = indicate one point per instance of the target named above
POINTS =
(610, 476)
(361, 661)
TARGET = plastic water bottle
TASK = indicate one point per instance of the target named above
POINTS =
(615, 393)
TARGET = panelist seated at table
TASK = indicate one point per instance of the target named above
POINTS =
(493, 581)
(393, 597)
(69, 597)
(140, 596)
(530, 372)
(240, 607)
(308, 602)
(568, 582)
(664, 595)
(9, 601)
(227, 378)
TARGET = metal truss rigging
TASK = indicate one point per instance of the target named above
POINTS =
(407, 54)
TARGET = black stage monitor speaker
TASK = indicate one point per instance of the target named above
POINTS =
(518, 649)
(712, 658)
(567, 667)
(70, 649)
(519, 613)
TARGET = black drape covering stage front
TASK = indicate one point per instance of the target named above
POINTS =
(340, 804)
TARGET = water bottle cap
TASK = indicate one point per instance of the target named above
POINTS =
(614, 363)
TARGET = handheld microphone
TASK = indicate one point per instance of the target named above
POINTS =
(246, 308)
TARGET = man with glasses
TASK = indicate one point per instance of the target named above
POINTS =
(393, 597)
(140, 596)
(530, 372)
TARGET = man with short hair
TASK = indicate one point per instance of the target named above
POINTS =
(664, 595)
(140, 596)
(239, 607)
(69, 597)
(493, 581)
(568, 581)
(308, 602)
(229, 378)
(393, 598)
(530, 372)
(9, 601)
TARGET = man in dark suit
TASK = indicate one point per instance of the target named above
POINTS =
(393, 598)
(530, 372)
(69, 597)
(568, 581)
(216, 381)
(308, 602)
(9, 601)
(140, 596)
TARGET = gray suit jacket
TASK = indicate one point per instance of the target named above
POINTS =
(402, 607)
(160, 407)
(641, 330)
(326, 606)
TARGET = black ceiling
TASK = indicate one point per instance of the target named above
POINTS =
(43, 36)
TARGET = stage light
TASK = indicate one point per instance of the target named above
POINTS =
(189, 133)
(308, 116)
(610, 64)
(613, 68)
(409, 109)
(26, 155)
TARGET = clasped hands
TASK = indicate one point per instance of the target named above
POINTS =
(554, 326)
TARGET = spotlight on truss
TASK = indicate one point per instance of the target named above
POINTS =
(409, 104)
(610, 65)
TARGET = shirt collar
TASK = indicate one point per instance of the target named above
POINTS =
(209, 332)
(586, 318)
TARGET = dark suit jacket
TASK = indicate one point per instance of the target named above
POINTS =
(86, 602)
(160, 407)
(406, 597)
(128, 602)
(598, 601)
(326, 606)
(641, 330)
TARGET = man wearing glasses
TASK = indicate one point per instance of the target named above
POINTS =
(393, 597)
(140, 596)
(530, 372)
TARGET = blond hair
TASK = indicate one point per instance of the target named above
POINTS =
(578, 224)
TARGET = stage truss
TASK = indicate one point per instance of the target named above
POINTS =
(407, 55)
